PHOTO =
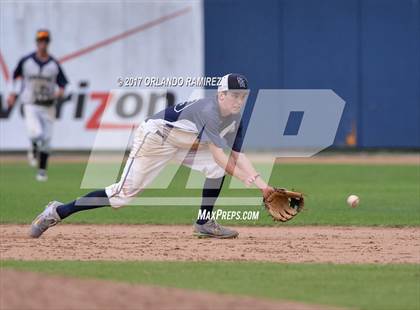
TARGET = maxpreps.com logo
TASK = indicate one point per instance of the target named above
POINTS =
(127, 106)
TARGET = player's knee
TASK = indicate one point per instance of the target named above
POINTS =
(120, 195)
(44, 145)
(117, 202)
(35, 137)
(214, 172)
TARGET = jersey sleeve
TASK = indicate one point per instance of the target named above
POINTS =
(18, 73)
(61, 78)
(207, 125)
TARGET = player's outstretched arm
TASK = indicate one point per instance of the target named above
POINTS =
(228, 164)
(244, 171)
(245, 164)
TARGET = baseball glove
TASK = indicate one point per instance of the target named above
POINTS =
(283, 205)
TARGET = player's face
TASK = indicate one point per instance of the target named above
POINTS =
(42, 45)
(234, 100)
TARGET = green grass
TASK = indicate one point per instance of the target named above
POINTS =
(357, 286)
(389, 196)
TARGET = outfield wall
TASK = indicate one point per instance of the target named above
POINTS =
(367, 51)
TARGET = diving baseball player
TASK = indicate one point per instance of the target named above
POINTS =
(42, 83)
(195, 133)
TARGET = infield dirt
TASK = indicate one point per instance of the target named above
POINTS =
(312, 244)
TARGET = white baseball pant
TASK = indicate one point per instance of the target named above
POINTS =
(39, 123)
(149, 155)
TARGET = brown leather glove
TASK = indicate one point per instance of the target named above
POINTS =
(282, 204)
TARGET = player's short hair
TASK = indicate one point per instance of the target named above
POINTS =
(43, 35)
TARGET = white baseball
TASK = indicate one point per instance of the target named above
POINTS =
(353, 201)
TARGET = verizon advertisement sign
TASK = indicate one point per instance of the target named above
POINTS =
(107, 60)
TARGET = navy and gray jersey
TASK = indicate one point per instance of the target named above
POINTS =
(39, 79)
(204, 118)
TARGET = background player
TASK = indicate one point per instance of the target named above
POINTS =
(42, 83)
(194, 133)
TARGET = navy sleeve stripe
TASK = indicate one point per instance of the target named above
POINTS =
(19, 68)
(61, 78)
(239, 138)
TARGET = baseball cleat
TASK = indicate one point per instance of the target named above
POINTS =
(45, 220)
(212, 229)
(41, 176)
(31, 159)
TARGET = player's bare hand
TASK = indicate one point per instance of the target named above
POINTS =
(11, 100)
(60, 93)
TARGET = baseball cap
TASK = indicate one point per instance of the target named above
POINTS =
(43, 34)
(233, 81)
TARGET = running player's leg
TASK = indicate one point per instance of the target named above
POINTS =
(46, 116)
(33, 154)
(34, 130)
